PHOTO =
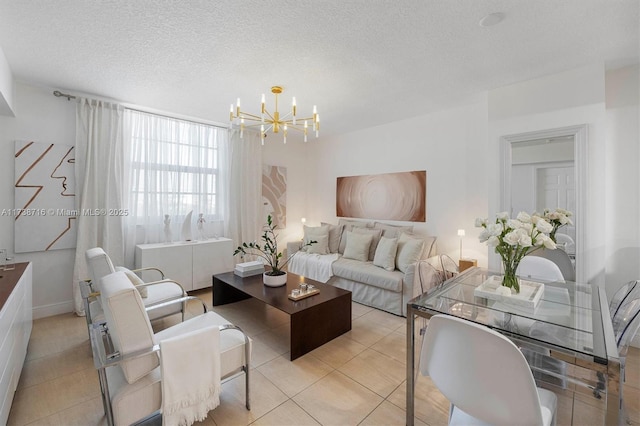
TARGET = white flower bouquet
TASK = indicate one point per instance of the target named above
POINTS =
(557, 218)
(515, 238)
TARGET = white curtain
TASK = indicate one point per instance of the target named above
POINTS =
(100, 173)
(245, 205)
(177, 167)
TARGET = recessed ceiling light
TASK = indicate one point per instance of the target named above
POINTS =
(491, 19)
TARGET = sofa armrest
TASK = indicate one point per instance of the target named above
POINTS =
(293, 247)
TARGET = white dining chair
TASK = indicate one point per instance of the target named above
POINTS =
(560, 258)
(566, 243)
(467, 363)
(539, 268)
(621, 295)
(539, 358)
(626, 323)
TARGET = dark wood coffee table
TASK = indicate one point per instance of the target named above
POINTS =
(314, 320)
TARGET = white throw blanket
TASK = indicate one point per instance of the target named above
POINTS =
(190, 365)
(314, 266)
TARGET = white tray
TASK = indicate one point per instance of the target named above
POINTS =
(530, 292)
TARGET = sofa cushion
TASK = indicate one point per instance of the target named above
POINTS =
(409, 251)
(357, 246)
(335, 233)
(348, 226)
(385, 256)
(375, 234)
(392, 231)
(320, 247)
(368, 273)
(313, 233)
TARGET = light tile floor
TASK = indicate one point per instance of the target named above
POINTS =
(356, 379)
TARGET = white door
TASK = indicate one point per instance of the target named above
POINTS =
(556, 188)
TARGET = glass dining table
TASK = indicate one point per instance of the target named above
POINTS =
(570, 326)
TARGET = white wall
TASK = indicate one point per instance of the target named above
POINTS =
(622, 181)
(450, 145)
(41, 117)
(565, 99)
(293, 156)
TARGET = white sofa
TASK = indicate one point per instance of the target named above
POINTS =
(369, 282)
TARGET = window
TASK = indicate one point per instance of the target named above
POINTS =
(175, 168)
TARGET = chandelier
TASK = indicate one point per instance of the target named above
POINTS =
(268, 121)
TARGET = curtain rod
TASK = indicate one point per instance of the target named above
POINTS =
(190, 120)
(59, 94)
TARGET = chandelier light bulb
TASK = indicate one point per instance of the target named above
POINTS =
(274, 120)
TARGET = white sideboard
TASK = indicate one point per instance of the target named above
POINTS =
(191, 263)
(15, 329)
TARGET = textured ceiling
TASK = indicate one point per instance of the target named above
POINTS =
(362, 62)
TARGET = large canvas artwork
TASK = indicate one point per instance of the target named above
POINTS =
(44, 202)
(389, 196)
(274, 194)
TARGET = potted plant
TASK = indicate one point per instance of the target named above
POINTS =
(269, 253)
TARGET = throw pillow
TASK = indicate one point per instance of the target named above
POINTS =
(135, 280)
(335, 233)
(321, 247)
(385, 256)
(313, 233)
(357, 246)
(375, 233)
(409, 251)
(348, 226)
(356, 223)
(392, 231)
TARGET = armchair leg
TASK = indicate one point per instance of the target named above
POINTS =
(247, 360)
(106, 398)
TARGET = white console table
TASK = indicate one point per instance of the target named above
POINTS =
(16, 321)
(191, 263)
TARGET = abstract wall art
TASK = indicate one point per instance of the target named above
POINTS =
(44, 199)
(388, 196)
(274, 194)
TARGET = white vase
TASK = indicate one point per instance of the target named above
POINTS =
(274, 280)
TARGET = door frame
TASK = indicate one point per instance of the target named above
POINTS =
(579, 133)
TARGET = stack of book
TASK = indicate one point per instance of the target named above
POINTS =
(248, 269)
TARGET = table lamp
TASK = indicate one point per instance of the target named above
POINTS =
(461, 235)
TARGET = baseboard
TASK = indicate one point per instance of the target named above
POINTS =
(51, 310)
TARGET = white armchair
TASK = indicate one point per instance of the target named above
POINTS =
(152, 293)
(126, 351)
